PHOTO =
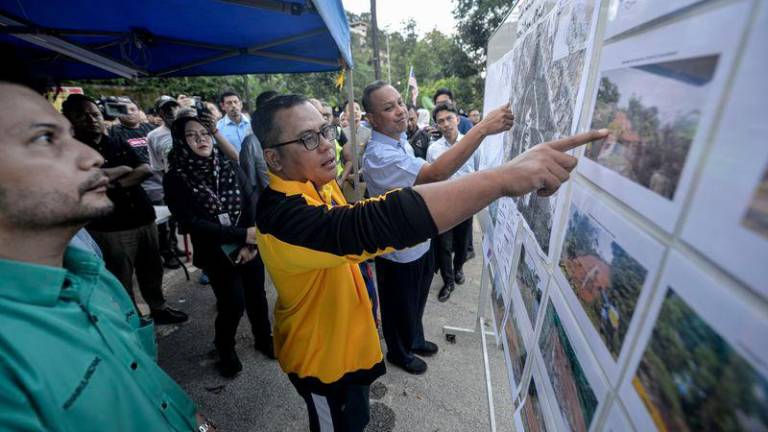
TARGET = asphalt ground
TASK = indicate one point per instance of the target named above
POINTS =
(450, 396)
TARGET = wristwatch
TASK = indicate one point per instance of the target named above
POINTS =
(207, 426)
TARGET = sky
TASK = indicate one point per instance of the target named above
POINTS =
(427, 14)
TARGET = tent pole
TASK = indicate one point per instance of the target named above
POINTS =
(353, 133)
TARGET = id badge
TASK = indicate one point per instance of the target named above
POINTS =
(224, 219)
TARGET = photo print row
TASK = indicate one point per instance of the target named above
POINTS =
(728, 218)
(657, 92)
(576, 385)
(606, 269)
(703, 361)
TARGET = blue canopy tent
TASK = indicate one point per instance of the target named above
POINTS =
(92, 39)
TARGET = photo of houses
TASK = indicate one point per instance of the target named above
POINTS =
(606, 280)
(530, 284)
(515, 345)
(575, 396)
(499, 308)
(756, 217)
(533, 418)
(691, 379)
(653, 112)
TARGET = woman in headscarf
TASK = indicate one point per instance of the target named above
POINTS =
(211, 199)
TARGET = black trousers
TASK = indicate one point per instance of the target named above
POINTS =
(452, 240)
(237, 289)
(335, 407)
(135, 250)
(470, 238)
(403, 292)
(167, 236)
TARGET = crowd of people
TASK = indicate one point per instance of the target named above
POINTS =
(266, 192)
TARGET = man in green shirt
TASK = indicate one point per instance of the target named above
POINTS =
(76, 356)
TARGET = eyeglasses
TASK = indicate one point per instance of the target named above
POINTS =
(311, 139)
(194, 136)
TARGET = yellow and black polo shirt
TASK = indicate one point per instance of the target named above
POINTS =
(311, 243)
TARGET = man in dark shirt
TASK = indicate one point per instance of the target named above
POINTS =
(127, 236)
(418, 138)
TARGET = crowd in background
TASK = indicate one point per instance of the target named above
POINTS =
(152, 161)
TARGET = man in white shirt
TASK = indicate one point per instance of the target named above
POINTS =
(404, 276)
(446, 116)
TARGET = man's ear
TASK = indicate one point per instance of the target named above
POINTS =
(369, 118)
(272, 157)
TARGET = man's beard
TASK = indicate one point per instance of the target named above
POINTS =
(35, 209)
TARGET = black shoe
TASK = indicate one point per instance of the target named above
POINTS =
(458, 277)
(228, 365)
(171, 262)
(428, 350)
(416, 366)
(167, 315)
(445, 292)
(267, 348)
(470, 255)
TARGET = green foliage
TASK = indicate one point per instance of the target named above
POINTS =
(476, 21)
(696, 380)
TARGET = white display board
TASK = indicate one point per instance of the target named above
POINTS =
(636, 298)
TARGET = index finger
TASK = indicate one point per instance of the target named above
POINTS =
(572, 142)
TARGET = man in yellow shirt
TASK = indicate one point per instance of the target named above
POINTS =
(311, 241)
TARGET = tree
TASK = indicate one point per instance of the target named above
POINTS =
(476, 21)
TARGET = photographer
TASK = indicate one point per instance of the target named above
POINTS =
(128, 236)
(212, 200)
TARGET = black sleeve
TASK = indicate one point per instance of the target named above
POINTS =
(398, 219)
(342, 137)
(181, 203)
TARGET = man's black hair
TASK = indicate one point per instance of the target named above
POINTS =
(444, 106)
(264, 126)
(412, 107)
(442, 91)
(261, 99)
(368, 91)
(264, 96)
(74, 103)
(227, 94)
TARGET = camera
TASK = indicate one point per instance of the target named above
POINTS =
(200, 106)
(112, 107)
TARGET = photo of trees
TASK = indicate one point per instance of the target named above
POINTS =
(606, 279)
(533, 418)
(691, 379)
(575, 396)
(756, 216)
(653, 112)
(530, 285)
(498, 304)
(515, 345)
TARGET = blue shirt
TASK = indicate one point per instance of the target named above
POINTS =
(465, 125)
(84, 241)
(390, 164)
(77, 357)
(235, 133)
